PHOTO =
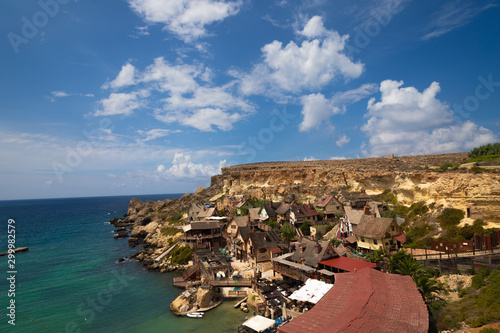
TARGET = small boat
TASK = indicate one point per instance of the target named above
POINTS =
(195, 314)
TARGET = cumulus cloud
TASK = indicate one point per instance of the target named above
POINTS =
(126, 77)
(407, 122)
(180, 93)
(186, 19)
(183, 168)
(317, 109)
(310, 65)
(121, 103)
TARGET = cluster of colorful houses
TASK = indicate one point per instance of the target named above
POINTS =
(251, 233)
(359, 298)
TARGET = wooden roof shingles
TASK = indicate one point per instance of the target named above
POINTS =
(310, 255)
(372, 227)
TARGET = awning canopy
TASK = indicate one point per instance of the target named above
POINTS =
(275, 250)
(347, 264)
(259, 323)
(312, 291)
(401, 238)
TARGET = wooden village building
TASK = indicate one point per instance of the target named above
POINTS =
(303, 263)
(268, 212)
(204, 234)
(374, 233)
(329, 206)
(194, 209)
(303, 213)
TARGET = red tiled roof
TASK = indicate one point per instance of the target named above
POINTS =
(323, 201)
(347, 264)
(366, 301)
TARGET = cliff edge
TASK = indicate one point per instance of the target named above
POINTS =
(410, 178)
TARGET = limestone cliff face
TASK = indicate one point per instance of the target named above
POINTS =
(411, 178)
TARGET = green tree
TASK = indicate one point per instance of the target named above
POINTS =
(273, 224)
(484, 150)
(377, 256)
(287, 233)
(305, 228)
(404, 264)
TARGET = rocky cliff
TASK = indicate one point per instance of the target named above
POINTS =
(411, 178)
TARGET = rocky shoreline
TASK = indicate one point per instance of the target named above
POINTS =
(143, 224)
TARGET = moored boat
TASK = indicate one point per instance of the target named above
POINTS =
(195, 314)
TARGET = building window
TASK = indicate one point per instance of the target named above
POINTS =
(233, 227)
(375, 242)
(392, 228)
(362, 239)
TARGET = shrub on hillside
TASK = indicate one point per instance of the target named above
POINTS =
(181, 255)
(450, 217)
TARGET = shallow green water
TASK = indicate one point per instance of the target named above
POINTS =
(70, 281)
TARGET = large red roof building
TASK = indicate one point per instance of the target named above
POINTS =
(366, 301)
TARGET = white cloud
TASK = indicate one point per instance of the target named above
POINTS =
(54, 95)
(121, 103)
(407, 109)
(155, 133)
(453, 15)
(317, 61)
(126, 77)
(317, 109)
(314, 28)
(408, 122)
(203, 119)
(333, 158)
(312, 158)
(355, 95)
(342, 140)
(140, 31)
(59, 94)
(185, 18)
(178, 93)
(183, 168)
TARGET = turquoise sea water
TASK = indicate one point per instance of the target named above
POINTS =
(70, 280)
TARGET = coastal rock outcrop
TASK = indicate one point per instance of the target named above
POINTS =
(194, 299)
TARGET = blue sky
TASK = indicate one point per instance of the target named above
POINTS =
(155, 96)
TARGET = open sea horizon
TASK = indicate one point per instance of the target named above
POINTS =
(71, 281)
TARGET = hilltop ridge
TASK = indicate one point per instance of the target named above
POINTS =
(410, 178)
